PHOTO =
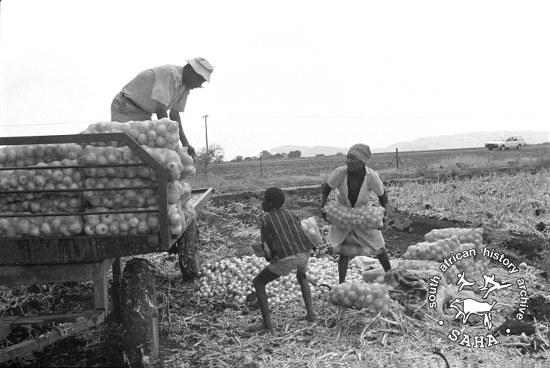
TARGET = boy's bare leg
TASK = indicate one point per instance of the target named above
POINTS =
(343, 262)
(306, 294)
(263, 278)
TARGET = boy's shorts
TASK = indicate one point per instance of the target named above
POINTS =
(283, 266)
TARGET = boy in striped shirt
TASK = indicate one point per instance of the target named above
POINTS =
(287, 249)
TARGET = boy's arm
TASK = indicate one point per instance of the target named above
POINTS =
(325, 191)
(265, 242)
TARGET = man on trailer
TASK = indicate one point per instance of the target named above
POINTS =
(159, 89)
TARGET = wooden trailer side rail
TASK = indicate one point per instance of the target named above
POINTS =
(96, 271)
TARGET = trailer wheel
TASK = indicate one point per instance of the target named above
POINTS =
(188, 255)
(140, 337)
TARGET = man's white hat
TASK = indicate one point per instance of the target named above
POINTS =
(202, 67)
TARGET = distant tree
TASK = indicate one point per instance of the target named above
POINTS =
(266, 155)
(279, 156)
(295, 154)
(339, 154)
(237, 159)
(215, 155)
(248, 158)
(320, 155)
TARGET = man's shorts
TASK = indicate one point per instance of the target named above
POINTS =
(123, 110)
(284, 266)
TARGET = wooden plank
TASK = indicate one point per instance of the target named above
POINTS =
(101, 288)
(205, 195)
(36, 274)
(60, 332)
(154, 346)
(5, 329)
(80, 249)
(116, 288)
(38, 320)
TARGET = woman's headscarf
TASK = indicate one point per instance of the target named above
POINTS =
(361, 151)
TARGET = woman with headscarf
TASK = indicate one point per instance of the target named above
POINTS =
(354, 184)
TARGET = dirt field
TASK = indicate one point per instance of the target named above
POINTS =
(213, 333)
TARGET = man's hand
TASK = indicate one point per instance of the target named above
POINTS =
(191, 151)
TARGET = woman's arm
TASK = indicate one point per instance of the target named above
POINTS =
(325, 191)
(383, 200)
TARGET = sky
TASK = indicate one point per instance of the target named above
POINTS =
(286, 72)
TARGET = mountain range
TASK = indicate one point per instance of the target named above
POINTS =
(466, 140)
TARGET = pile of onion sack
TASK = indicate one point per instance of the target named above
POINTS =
(445, 244)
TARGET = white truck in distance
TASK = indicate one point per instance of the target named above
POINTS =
(514, 142)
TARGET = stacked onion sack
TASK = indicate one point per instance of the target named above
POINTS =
(359, 295)
(442, 244)
(160, 139)
(33, 168)
(368, 217)
(163, 133)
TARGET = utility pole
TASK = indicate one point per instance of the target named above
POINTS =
(205, 117)
(261, 169)
(396, 159)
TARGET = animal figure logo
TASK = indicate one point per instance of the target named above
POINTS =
(471, 306)
(494, 285)
(463, 282)
(466, 307)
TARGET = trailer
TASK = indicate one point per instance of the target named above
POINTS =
(82, 257)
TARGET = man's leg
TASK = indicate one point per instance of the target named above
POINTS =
(123, 110)
(263, 278)
(301, 276)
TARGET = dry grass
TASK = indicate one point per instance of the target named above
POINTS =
(510, 202)
(214, 333)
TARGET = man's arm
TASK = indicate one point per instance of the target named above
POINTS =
(175, 116)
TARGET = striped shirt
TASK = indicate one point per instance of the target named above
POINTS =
(283, 234)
